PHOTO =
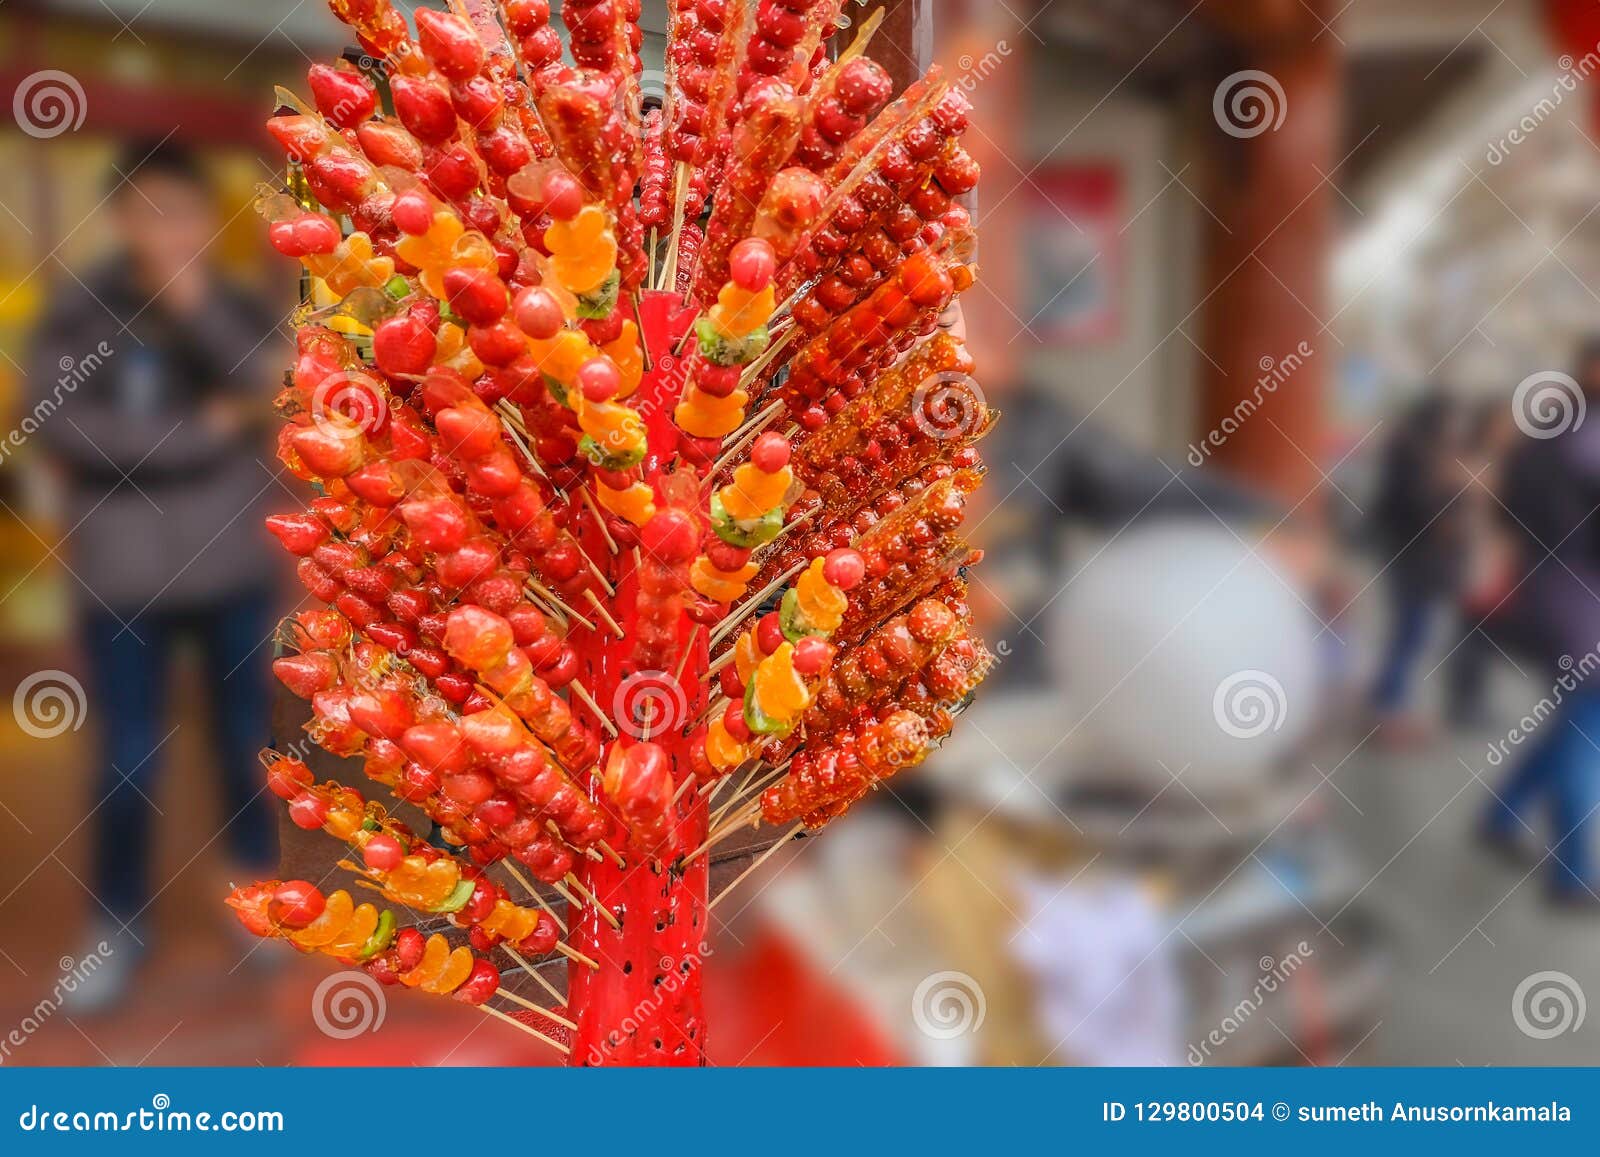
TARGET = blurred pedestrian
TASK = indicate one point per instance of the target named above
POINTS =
(1490, 561)
(1551, 493)
(156, 446)
(1421, 530)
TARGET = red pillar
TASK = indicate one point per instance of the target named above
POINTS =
(1268, 360)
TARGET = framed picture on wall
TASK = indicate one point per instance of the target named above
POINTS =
(1075, 259)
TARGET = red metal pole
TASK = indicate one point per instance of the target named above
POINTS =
(643, 1005)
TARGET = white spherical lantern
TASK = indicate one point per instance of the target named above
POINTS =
(1184, 653)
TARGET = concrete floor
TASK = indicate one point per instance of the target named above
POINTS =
(1464, 928)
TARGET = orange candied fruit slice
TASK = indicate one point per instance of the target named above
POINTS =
(326, 927)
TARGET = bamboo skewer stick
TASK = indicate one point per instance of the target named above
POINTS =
(680, 197)
(737, 792)
(518, 433)
(600, 576)
(572, 953)
(742, 437)
(534, 892)
(757, 788)
(745, 816)
(638, 313)
(549, 595)
(552, 1017)
(600, 609)
(727, 625)
(607, 913)
(683, 789)
(748, 792)
(683, 659)
(767, 357)
(783, 841)
(719, 663)
(677, 351)
(742, 819)
(554, 992)
(527, 1028)
(582, 692)
(594, 509)
(613, 854)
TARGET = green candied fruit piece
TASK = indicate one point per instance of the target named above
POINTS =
(755, 719)
(457, 899)
(600, 303)
(380, 939)
(746, 534)
(605, 459)
(726, 351)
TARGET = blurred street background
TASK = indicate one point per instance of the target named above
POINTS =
(1292, 309)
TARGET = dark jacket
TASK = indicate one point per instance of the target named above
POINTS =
(161, 510)
(1551, 492)
(1421, 512)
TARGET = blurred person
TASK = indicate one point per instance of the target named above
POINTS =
(1421, 529)
(1551, 492)
(157, 453)
(1490, 560)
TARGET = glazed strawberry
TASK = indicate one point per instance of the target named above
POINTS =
(388, 142)
(343, 95)
(439, 524)
(306, 674)
(423, 106)
(449, 43)
(300, 534)
(404, 346)
(477, 638)
(481, 983)
(413, 212)
(476, 295)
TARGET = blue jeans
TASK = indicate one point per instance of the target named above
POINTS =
(1411, 622)
(128, 685)
(1563, 768)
